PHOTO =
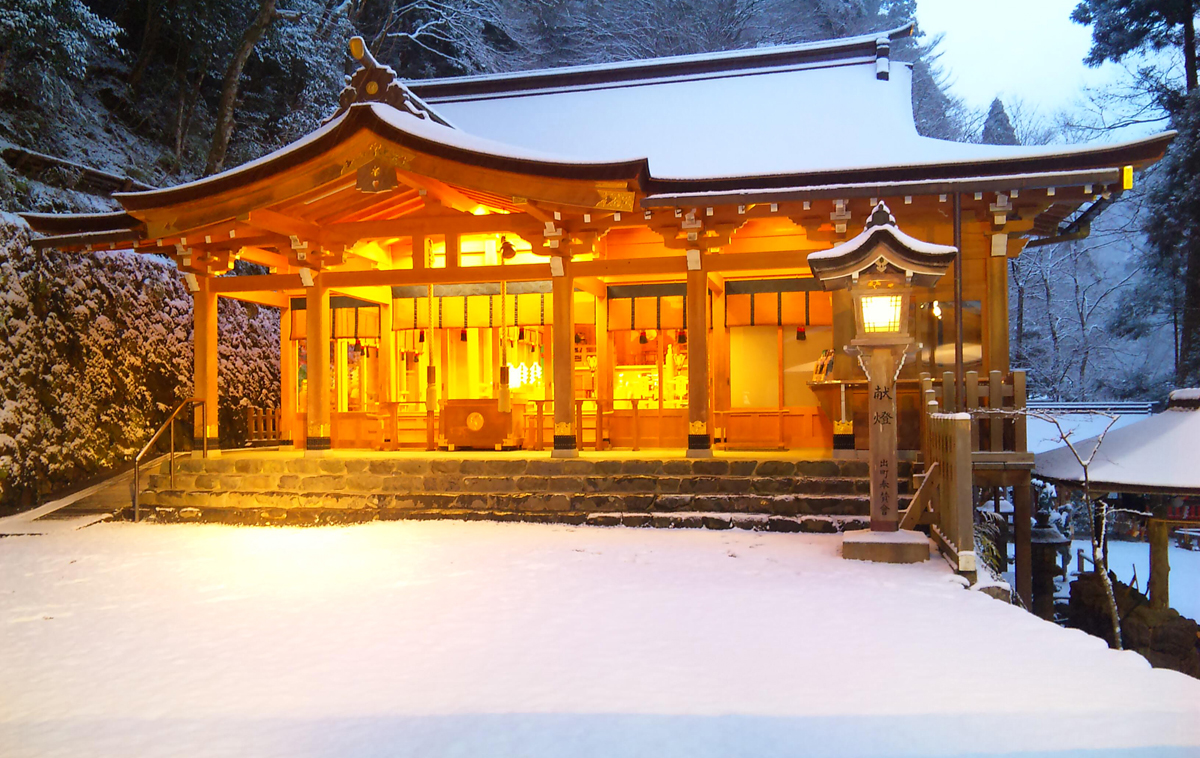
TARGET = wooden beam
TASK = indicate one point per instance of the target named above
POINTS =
(278, 223)
(592, 286)
(920, 502)
(351, 232)
(271, 299)
(445, 194)
(264, 257)
(227, 285)
(471, 275)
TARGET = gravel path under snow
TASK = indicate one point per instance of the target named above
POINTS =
(484, 639)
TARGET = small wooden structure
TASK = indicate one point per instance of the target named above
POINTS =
(1157, 456)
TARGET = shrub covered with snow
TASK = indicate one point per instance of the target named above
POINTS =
(95, 351)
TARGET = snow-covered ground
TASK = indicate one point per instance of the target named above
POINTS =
(1124, 558)
(485, 639)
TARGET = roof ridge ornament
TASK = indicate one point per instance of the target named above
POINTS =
(881, 215)
(375, 82)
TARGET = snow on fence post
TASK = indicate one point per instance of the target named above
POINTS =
(954, 519)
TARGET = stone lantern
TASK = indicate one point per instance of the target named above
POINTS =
(880, 267)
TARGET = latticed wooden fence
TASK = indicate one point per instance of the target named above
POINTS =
(262, 424)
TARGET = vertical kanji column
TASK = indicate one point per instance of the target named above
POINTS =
(882, 419)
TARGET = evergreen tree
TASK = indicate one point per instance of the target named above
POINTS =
(997, 129)
(45, 45)
(1121, 28)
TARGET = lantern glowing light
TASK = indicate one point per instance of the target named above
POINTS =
(881, 313)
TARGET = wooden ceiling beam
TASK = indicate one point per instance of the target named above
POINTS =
(279, 223)
(445, 194)
(353, 231)
(263, 257)
(270, 299)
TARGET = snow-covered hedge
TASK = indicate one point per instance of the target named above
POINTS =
(95, 351)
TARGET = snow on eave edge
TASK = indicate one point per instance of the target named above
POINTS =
(819, 179)
(651, 65)
(402, 128)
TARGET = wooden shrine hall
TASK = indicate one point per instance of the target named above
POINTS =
(609, 256)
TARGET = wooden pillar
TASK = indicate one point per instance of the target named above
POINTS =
(387, 370)
(1022, 536)
(881, 420)
(318, 334)
(996, 312)
(204, 362)
(563, 349)
(699, 440)
(1160, 565)
(603, 352)
(719, 351)
(287, 377)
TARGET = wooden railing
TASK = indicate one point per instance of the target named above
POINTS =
(997, 391)
(948, 457)
(262, 424)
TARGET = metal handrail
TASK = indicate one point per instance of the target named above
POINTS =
(170, 422)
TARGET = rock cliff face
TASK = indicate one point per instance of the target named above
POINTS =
(95, 351)
(1164, 638)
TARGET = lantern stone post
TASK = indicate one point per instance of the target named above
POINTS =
(881, 267)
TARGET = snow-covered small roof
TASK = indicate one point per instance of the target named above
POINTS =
(882, 243)
(1158, 454)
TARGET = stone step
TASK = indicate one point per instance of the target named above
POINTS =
(415, 483)
(519, 502)
(315, 516)
(530, 467)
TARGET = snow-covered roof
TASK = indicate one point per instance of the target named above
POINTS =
(397, 125)
(750, 118)
(1156, 454)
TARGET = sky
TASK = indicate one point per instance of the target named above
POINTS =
(1016, 49)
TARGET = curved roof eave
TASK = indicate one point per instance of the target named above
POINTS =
(361, 116)
(1138, 152)
(77, 223)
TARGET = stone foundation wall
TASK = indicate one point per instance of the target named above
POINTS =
(1164, 638)
(800, 496)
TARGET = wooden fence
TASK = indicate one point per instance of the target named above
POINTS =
(262, 424)
(948, 456)
(993, 436)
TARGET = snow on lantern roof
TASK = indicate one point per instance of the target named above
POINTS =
(1157, 454)
(882, 245)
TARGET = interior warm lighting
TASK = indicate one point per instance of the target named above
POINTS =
(881, 313)
(479, 210)
(937, 309)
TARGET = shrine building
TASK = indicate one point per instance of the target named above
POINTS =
(612, 256)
